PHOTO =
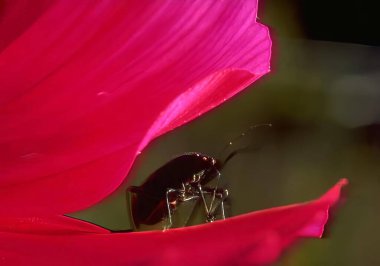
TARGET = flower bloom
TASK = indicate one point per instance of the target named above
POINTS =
(84, 87)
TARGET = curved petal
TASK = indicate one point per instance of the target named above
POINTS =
(85, 86)
(58, 225)
(251, 239)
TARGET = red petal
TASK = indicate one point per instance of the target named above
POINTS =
(85, 86)
(252, 239)
(62, 225)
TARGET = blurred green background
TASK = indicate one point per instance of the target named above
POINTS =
(323, 99)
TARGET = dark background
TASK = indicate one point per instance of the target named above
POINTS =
(334, 20)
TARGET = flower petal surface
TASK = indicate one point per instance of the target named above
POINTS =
(256, 238)
(86, 85)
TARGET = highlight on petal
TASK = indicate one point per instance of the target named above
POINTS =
(252, 239)
(86, 86)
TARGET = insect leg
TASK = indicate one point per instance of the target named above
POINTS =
(221, 195)
(168, 206)
(168, 191)
(224, 196)
(222, 209)
(215, 188)
(203, 198)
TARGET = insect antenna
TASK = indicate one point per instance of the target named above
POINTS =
(236, 150)
(233, 142)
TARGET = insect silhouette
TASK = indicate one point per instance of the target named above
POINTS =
(184, 178)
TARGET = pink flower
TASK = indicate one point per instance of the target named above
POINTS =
(252, 239)
(85, 87)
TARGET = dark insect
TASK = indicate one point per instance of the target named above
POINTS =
(185, 178)
(182, 179)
